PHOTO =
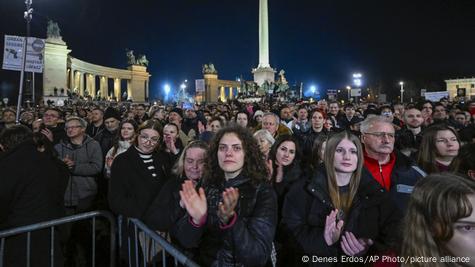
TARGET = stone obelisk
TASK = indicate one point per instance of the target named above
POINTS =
(263, 72)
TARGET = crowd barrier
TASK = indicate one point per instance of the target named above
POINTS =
(146, 247)
(149, 247)
(28, 229)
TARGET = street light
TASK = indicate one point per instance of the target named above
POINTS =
(357, 79)
(28, 15)
(349, 89)
(166, 89)
(401, 83)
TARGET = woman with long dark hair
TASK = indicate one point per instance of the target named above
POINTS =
(338, 211)
(232, 219)
(439, 146)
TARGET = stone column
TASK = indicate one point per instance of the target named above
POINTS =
(263, 35)
(103, 87)
(71, 79)
(222, 94)
(92, 86)
(117, 89)
(81, 84)
(129, 90)
(230, 93)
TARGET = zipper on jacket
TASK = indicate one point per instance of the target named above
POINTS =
(382, 176)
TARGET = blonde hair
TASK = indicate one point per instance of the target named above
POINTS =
(179, 169)
(339, 202)
(437, 202)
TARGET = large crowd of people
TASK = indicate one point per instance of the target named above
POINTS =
(250, 184)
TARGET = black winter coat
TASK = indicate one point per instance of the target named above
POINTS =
(132, 186)
(165, 209)
(32, 186)
(307, 204)
(248, 242)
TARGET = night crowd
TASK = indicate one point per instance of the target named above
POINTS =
(249, 184)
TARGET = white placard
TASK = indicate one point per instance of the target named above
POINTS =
(355, 92)
(436, 96)
(13, 54)
(200, 85)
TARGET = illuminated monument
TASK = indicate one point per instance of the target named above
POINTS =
(263, 72)
(64, 72)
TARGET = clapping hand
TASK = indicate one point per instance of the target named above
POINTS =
(333, 228)
(194, 202)
(353, 246)
(226, 208)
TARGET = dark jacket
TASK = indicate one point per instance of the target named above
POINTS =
(307, 204)
(59, 133)
(248, 241)
(165, 209)
(106, 140)
(404, 176)
(132, 186)
(92, 130)
(32, 188)
(306, 140)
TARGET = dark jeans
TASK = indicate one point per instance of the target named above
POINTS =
(77, 241)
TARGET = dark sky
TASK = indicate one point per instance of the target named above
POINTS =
(321, 42)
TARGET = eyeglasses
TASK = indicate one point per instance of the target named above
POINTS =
(152, 140)
(380, 135)
(73, 127)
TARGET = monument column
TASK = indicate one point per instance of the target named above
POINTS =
(263, 72)
(117, 89)
(103, 87)
(92, 86)
(71, 79)
(81, 84)
(230, 93)
(222, 94)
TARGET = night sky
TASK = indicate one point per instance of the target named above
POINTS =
(315, 42)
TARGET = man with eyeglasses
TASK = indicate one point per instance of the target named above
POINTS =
(54, 130)
(396, 173)
(83, 156)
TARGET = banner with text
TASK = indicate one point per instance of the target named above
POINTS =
(13, 54)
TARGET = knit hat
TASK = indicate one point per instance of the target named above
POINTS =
(112, 113)
(178, 111)
(258, 113)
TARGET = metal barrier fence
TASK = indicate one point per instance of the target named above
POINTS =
(28, 229)
(147, 245)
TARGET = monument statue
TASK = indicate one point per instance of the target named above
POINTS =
(209, 69)
(142, 61)
(282, 78)
(130, 57)
(53, 31)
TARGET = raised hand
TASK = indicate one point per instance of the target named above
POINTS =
(170, 143)
(226, 208)
(353, 246)
(333, 228)
(194, 202)
(47, 132)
